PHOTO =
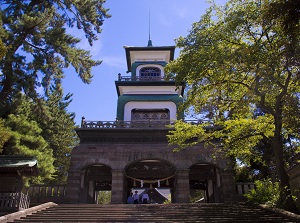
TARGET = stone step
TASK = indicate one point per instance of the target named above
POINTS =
(209, 213)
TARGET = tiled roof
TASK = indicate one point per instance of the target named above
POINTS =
(15, 163)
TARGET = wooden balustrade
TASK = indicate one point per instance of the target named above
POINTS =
(126, 124)
(14, 201)
(146, 78)
(45, 193)
(138, 124)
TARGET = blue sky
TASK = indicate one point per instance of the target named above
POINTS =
(128, 26)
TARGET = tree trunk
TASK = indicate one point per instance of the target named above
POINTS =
(284, 184)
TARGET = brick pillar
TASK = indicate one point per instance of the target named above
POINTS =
(73, 189)
(182, 186)
(117, 187)
(229, 192)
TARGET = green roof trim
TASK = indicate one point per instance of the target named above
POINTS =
(140, 63)
(123, 99)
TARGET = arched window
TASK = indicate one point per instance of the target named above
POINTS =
(150, 73)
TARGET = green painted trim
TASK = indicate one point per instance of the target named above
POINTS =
(135, 65)
(122, 100)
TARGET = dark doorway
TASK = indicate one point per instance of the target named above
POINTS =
(204, 183)
(151, 176)
(97, 178)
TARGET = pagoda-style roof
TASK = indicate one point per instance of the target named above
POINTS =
(148, 53)
(26, 165)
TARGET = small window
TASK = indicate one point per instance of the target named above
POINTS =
(150, 73)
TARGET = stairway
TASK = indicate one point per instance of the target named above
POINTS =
(208, 213)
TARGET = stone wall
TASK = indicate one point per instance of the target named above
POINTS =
(120, 148)
(295, 182)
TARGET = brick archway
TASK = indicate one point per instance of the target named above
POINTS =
(205, 181)
(94, 178)
(154, 176)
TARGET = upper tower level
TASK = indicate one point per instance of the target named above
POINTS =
(146, 65)
(147, 95)
(142, 57)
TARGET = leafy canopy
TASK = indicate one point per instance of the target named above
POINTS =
(38, 46)
(235, 63)
(242, 76)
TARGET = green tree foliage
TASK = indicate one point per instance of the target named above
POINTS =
(2, 49)
(235, 62)
(5, 134)
(243, 173)
(58, 130)
(104, 197)
(2, 46)
(197, 196)
(26, 140)
(265, 192)
(39, 47)
(286, 13)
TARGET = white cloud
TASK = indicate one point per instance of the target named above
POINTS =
(180, 11)
(114, 61)
(164, 21)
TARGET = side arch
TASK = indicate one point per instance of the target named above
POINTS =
(205, 183)
(94, 178)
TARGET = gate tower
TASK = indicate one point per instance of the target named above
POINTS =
(132, 152)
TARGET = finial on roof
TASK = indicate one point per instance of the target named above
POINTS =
(149, 40)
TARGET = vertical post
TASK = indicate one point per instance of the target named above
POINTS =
(229, 191)
(73, 190)
(117, 187)
(82, 121)
(183, 186)
(210, 191)
(217, 187)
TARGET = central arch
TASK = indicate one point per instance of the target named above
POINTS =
(153, 176)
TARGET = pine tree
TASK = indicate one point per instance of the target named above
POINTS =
(26, 140)
(5, 134)
(58, 130)
(38, 46)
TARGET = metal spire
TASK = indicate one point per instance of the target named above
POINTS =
(149, 40)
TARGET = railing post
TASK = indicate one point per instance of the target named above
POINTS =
(244, 188)
(239, 189)
(82, 121)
